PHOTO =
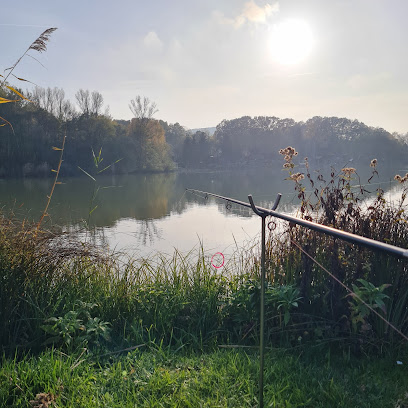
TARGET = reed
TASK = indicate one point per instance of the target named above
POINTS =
(343, 202)
(182, 300)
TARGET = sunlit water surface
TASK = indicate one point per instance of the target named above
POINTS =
(140, 215)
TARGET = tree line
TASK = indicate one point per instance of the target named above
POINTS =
(39, 123)
(325, 141)
(147, 144)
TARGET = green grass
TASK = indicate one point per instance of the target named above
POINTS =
(181, 301)
(227, 378)
(69, 296)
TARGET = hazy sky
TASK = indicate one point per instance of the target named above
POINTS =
(207, 60)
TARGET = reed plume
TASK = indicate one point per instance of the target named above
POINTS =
(39, 45)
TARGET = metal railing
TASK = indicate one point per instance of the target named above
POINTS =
(263, 213)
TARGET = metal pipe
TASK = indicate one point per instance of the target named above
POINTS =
(263, 213)
(346, 236)
(262, 317)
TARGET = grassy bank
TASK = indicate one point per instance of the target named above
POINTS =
(69, 313)
(156, 377)
(68, 294)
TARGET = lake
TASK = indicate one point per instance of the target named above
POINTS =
(144, 213)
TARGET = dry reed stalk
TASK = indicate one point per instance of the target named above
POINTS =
(55, 182)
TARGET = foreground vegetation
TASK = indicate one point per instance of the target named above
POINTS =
(153, 376)
(69, 314)
(82, 328)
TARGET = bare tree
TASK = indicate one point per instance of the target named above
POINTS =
(89, 103)
(37, 96)
(49, 101)
(143, 109)
(53, 101)
(68, 111)
(84, 101)
(96, 103)
(59, 101)
(107, 112)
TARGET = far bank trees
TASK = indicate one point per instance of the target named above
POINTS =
(147, 138)
(146, 144)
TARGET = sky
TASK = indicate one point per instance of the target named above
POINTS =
(202, 61)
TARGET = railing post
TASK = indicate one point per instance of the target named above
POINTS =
(345, 236)
(262, 318)
(263, 215)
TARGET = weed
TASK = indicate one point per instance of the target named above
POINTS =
(287, 297)
(343, 202)
(97, 163)
(77, 328)
(373, 297)
(182, 302)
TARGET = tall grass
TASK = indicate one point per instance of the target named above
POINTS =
(183, 301)
(343, 202)
(177, 301)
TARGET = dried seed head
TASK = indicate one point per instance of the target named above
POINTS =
(40, 44)
(348, 170)
(398, 178)
(297, 177)
(288, 152)
(373, 163)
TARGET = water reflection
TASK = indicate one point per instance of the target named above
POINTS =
(154, 211)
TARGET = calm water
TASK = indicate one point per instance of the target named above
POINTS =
(142, 214)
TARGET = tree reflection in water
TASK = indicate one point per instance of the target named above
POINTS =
(148, 233)
(149, 212)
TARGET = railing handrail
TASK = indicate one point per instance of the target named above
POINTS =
(346, 236)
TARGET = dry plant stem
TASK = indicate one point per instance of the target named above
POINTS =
(39, 45)
(45, 212)
(350, 291)
(7, 123)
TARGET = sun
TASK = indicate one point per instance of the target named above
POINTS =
(291, 41)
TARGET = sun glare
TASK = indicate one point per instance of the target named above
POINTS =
(291, 41)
